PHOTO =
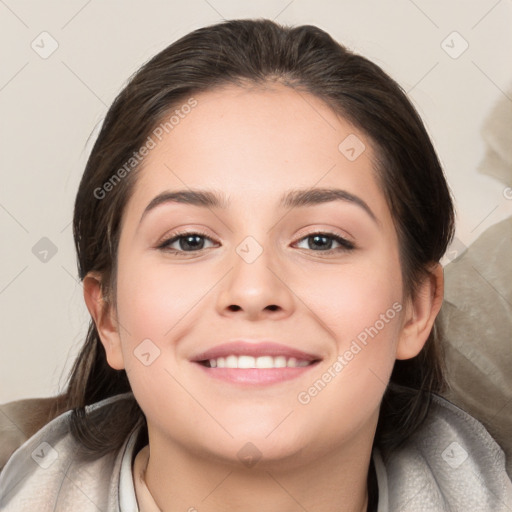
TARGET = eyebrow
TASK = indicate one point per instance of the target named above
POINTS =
(292, 199)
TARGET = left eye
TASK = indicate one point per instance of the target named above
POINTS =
(193, 242)
(321, 239)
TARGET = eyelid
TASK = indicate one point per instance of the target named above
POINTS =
(330, 231)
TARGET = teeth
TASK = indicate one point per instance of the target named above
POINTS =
(260, 362)
(233, 361)
(243, 362)
(280, 362)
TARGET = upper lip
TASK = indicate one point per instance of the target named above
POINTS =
(255, 349)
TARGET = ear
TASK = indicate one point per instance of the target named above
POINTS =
(421, 311)
(103, 314)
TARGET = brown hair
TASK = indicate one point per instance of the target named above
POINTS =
(257, 52)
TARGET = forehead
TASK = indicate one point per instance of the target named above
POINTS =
(254, 143)
(272, 122)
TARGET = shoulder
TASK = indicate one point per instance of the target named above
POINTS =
(450, 463)
(20, 419)
(49, 471)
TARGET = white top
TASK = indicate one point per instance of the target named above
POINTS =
(451, 464)
(134, 496)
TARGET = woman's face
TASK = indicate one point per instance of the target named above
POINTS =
(257, 273)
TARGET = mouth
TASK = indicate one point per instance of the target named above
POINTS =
(255, 363)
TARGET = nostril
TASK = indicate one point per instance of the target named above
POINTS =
(234, 307)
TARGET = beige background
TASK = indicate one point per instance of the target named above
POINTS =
(50, 106)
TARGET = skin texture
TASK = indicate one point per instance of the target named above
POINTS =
(254, 144)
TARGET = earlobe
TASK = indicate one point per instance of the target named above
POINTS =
(421, 313)
(104, 318)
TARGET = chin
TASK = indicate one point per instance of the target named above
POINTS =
(258, 454)
(261, 446)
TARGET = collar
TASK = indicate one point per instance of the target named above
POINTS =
(450, 464)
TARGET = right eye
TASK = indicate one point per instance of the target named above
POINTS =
(188, 241)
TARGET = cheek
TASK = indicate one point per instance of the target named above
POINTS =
(155, 308)
(153, 297)
(345, 393)
(361, 311)
(354, 298)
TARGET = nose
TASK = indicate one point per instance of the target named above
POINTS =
(255, 290)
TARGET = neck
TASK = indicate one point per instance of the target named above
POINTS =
(180, 480)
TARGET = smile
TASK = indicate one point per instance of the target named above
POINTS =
(244, 370)
(243, 361)
(254, 363)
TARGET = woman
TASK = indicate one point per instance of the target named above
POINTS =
(259, 229)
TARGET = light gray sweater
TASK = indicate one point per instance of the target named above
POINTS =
(450, 464)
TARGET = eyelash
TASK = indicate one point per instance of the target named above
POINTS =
(346, 245)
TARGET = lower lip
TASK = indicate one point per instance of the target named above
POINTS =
(255, 376)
